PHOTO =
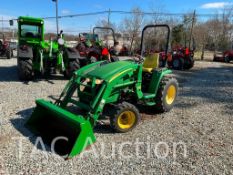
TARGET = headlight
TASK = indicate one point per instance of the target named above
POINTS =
(61, 41)
(98, 81)
(88, 80)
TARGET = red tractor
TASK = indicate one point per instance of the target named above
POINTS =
(93, 49)
(226, 56)
(124, 51)
(118, 50)
(5, 50)
(86, 42)
(181, 58)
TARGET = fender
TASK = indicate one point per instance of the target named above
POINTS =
(24, 52)
(156, 79)
(72, 53)
(94, 51)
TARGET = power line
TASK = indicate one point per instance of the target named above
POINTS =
(77, 15)
(122, 13)
(128, 12)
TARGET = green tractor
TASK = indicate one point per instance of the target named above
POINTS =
(37, 56)
(103, 91)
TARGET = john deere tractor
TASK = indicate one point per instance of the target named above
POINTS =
(35, 55)
(104, 91)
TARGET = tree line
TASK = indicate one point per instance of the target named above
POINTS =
(214, 34)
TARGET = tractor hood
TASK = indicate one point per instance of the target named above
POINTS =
(110, 70)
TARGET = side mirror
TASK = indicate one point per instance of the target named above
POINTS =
(60, 35)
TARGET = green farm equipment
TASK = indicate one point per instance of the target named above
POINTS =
(35, 55)
(103, 90)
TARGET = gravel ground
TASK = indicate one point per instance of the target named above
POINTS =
(196, 137)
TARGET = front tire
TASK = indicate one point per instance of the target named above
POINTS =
(167, 94)
(124, 117)
(25, 69)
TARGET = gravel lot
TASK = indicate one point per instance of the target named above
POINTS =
(201, 123)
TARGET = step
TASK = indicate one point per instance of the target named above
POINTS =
(148, 95)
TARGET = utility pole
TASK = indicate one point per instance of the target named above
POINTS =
(109, 14)
(191, 30)
(56, 1)
(2, 23)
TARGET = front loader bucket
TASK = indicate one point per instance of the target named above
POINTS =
(66, 133)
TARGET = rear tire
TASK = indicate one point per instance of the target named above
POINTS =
(25, 69)
(12, 53)
(214, 59)
(178, 64)
(190, 63)
(124, 117)
(167, 94)
(226, 59)
(8, 54)
(73, 65)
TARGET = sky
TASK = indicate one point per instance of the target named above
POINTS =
(43, 8)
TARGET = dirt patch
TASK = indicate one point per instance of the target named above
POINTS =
(4, 139)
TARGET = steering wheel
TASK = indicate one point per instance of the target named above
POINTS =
(138, 58)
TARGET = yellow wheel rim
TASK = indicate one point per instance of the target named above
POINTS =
(126, 120)
(171, 94)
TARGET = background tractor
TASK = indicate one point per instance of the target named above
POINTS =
(86, 42)
(35, 55)
(104, 90)
(181, 57)
(226, 56)
(5, 49)
(101, 48)
(183, 46)
(94, 48)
